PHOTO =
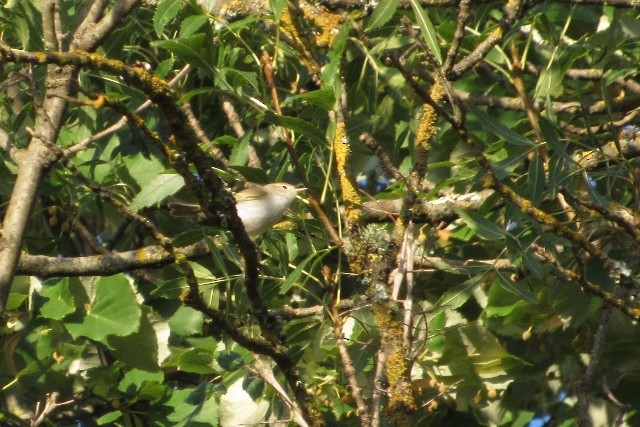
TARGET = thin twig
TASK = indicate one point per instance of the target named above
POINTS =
(452, 53)
(385, 161)
(379, 388)
(195, 125)
(512, 11)
(408, 300)
(50, 405)
(347, 364)
(584, 385)
(236, 124)
(624, 408)
(263, 370)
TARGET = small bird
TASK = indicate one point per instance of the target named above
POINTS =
(259, 206)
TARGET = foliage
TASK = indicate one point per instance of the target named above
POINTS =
(521, 292)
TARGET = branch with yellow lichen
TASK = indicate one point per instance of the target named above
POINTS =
(395, 326)
(571, 276)
(512, 11)
(192, 297)
(182, 151)
(549, 222)
(312, 27)
(350, 196)
(490, 180)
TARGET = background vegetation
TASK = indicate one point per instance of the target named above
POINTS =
(466, 252)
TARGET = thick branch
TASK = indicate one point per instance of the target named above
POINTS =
(156, 257)
(105, 265)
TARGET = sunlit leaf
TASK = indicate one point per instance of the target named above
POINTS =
(382, 14)
(295, 124)
(550, 84)
(427, 31)
(60, 302)
(276, 7)
(188, 49)
(113, 310)
(536, 179)
(139, 349)
(191, 24)
(485, 228)
(498, 129)
(157, 190)
(165, 11)
(323, 98)
(517, 289)
(461, 293)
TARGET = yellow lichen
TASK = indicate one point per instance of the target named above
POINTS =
(326, 22)
(143, 255)
(427, 125)
(99, 101)
(351, 198)
(401, 400)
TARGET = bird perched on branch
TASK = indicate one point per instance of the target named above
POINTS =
(259, 206)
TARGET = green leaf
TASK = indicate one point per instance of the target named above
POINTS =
(164, 68)
(239, 153)
(165, 12)
(135, 378)
(109, 418)
(427, 30)
(294, 276)
(485, 228)
(138, 349)
(188, 49)
(195, 92)
(292, 245)
(193, 407)
(143, 170)
(192, 24)
(323, 98)
(226, 140)
(206, 413)
(550, 83)
(161, 187)
(255, 175)
(536, 179)
(186, 321)
(461, 293)
(331, 70)
(487, 354)
(516, 289)
(533, 264)
(193, 360)
(498, 129)
(297, 125)
(277, 7)
(114, 310)
(382, 14)
(60, 302)
(237, 80)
